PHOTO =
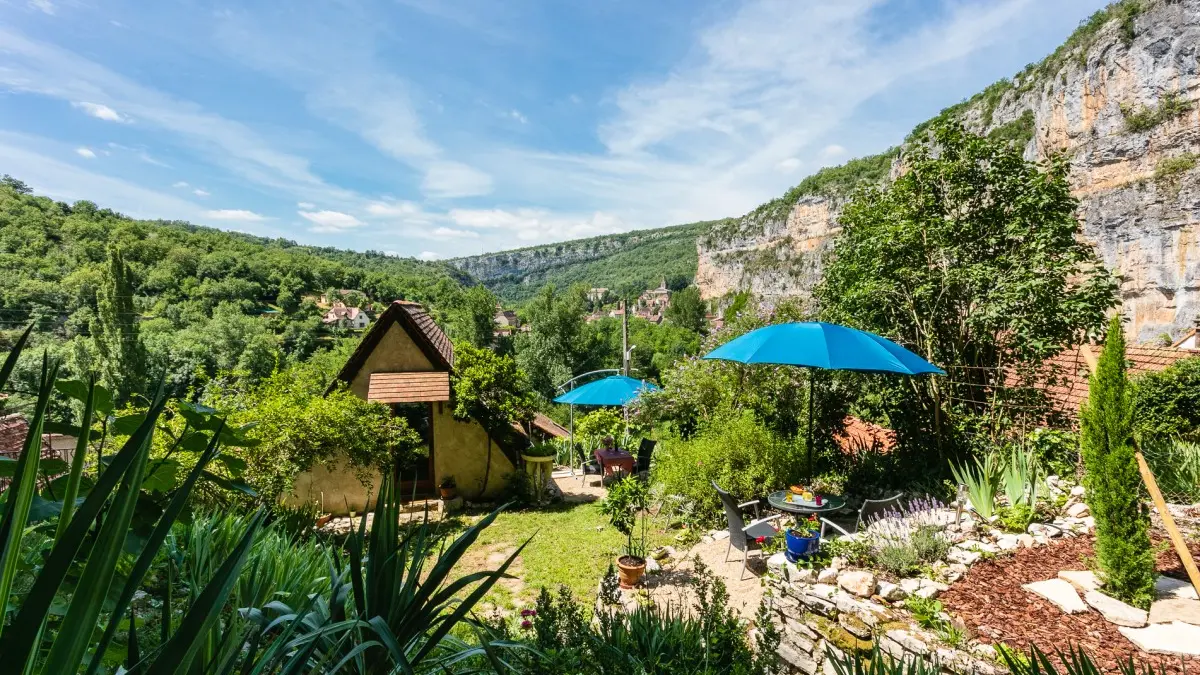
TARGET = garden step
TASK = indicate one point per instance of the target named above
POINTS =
(1170, 587)
(1175, 609)
(1083, 580)
(1165, 638)
(1060, 593)
(1116, 611)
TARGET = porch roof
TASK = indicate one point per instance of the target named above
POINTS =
(419, 387)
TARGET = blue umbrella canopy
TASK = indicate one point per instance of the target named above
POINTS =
(614, 390)
(815, 344)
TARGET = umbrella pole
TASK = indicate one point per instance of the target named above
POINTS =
(812, 375)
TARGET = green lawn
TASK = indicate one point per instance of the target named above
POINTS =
(571, 544)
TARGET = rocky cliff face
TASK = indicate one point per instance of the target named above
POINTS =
(1120, 97)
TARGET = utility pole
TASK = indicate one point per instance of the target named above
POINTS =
(624, 337)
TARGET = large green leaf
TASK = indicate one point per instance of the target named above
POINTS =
(23, 488)
(75, 632)
(22, 637)
(10, 361)
(149, 550)
(162, 476)
(75, 477)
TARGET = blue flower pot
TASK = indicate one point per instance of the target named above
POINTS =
(799, 548)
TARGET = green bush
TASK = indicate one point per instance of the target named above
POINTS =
(1176, 468)
(1114, 485)
(591, 429)
(1167, 403)
(735, 450)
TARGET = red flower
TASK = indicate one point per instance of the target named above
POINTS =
(526, 624)
(760, 539)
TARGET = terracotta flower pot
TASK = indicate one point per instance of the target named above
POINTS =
(630, 570)
(448, 493)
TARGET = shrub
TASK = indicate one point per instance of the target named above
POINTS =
(929, 543)
(1114, 490)
(594, 426)
(1143, 118)
(1016, 518)
(736, 451)
(1176, 467)
(1167, 403)
(1054, 449)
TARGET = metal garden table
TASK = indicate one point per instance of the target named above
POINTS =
(779, 500)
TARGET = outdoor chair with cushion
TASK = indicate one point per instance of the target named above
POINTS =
(871, 510)
(644, 453)
(742, 536)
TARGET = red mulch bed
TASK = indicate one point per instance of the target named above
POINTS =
(991, 602)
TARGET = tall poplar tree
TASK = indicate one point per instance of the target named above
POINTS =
(1114, 485)
(115, 331)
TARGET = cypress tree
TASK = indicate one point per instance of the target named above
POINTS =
(115, 330)
(1113, 483)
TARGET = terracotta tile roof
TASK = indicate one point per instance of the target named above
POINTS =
(409, 387)
(858, 434)
(429, 329)
(1064, 377)
(549, 426)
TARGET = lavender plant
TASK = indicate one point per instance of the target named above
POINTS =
(903, 538)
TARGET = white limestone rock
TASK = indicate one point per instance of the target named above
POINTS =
(1026, 541)
(1082, 580)
(1079, 510)
(858, 582)
(1060, 593)
(890, 592)
(1115, 611)
(1007, 542)
(827, 575)
(1170, 587)
(1165, 638)
(961, 556)
(1078, 491)
(1172, 610)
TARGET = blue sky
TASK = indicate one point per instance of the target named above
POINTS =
(437, 128)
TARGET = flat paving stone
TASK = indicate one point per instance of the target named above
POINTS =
(1165, 638)
(1082, 580)
(1175, 609)
(1116, 611)
(1060, 593)
(1170, 587)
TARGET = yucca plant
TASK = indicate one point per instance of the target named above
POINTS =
(1073, 661)
(1020, 477)
(982, 480)
(82, 565)
(387, 611)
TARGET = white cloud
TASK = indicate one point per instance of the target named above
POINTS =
(529, 225)
(307, 206)
(429, 255)
(330, 221)
(85, 152)
(200, 193)
(790, 164)
(393, 208)
(179, 184)
(518, 116)
(99, 111)
(43, 6)
(453, 179)
(237, 215)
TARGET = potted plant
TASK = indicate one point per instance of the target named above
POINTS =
(448, 488)
(625, 505)
(803, 538)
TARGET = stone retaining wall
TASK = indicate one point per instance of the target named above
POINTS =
(818, 620)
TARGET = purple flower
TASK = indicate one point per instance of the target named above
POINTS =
(528, 613)
(526, 624)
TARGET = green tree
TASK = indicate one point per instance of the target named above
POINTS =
(488, 385)
(1167, 402)
(557, 344)
(1114, 485)
(687, 310)
(473, 316)
(972, 258)
(115, 330)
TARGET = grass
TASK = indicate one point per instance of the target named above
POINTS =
(1143, 118)
(572, 544)
(1168, 172)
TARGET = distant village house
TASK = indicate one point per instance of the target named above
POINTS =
(346, 317)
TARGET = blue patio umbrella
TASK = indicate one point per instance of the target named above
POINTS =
(828, 346)
(614, 390)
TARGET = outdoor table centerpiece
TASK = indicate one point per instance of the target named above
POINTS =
(803, 538)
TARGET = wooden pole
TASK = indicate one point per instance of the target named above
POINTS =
(1181, 549)
(1168, 522)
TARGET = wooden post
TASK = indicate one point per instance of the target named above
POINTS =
(1181, 549)
(1168, 522)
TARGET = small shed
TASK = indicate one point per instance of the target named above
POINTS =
(405, 361)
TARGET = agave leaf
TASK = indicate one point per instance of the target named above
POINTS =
(68, 649)
(149, 551)
(23, 488)
(23, 633)
(177, 654)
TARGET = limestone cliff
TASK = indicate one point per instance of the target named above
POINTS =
(1120, 97)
